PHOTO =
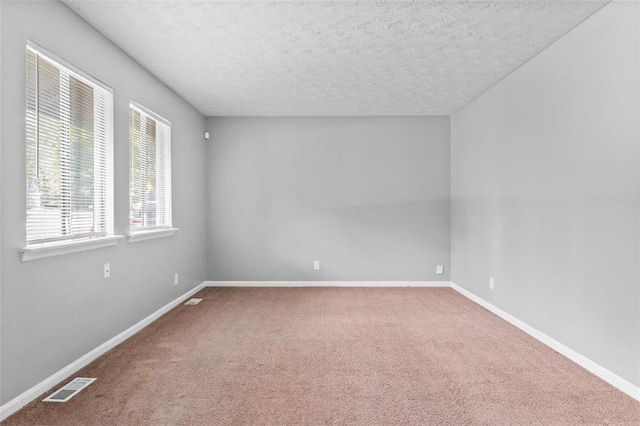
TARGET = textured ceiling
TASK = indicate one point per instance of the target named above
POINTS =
(262, 58)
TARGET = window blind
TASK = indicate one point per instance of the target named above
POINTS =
(150, 174)
(69, 141)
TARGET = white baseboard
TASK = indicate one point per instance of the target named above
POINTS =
(34, 392)
(606, 375)
(328, 283)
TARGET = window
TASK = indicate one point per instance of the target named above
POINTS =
(69, 137)
(150, 174)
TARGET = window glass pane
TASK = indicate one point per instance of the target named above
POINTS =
(150, 195)
(149, 177)
(43, 151)
(82, 171)
(68, 144)
(137, 173)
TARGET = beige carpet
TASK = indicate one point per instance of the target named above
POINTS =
(349, 356)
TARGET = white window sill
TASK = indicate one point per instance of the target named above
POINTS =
(40, 251)
(149, 235)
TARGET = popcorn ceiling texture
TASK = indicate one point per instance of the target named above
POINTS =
(265, 58)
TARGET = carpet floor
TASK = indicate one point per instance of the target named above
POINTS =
(348, 356)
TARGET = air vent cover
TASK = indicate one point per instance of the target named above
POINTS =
(69, 390)
(193, 301)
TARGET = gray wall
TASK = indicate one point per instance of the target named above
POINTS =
(545, 191)
(367, 197)
(54, 310)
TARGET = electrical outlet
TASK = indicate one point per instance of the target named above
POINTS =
(440, 269)
(176, 279)
(316, 265)
(107, 270)
(491, 283)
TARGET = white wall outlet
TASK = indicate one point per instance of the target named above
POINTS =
(176, 279)
(440, 269)
(491, 283)
(316, 265)
(107, 270)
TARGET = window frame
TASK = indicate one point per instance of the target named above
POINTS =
(45, 247)
(167, 229)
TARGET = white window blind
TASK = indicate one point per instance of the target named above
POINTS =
(69, 137)
(150, 174)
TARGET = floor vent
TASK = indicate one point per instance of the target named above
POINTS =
(193, 301)
(69, 390)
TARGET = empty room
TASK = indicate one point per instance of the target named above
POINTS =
(319, 212)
